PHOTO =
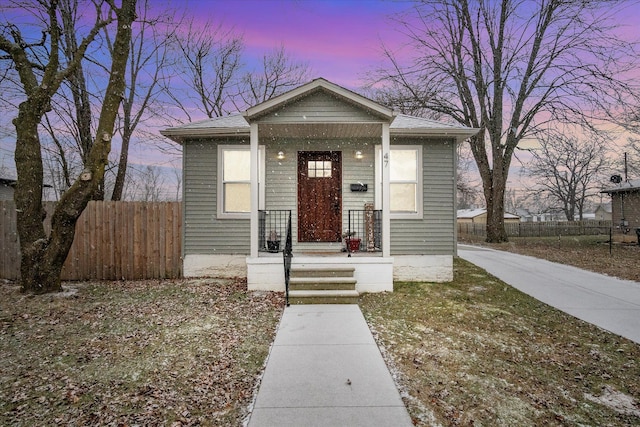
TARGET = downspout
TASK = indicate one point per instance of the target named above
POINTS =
(456, 141)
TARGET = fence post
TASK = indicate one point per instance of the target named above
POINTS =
(610, 240)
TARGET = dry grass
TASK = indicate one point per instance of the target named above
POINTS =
(134, 353)
(189, 352)
(479, 352)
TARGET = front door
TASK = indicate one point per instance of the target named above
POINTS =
(319, 196)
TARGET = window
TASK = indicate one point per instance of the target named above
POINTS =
(234, 180)
(319, 169)
(405, 180)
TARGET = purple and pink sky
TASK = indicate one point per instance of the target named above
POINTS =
(340, 39)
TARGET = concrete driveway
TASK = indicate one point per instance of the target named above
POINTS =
(604, 301)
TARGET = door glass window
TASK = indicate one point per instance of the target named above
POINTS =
(319, 169)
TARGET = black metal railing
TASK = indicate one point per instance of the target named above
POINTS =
(287, 254)
(364, 231)
(272, 229)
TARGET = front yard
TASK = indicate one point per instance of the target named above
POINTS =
(479, 352)
(190, 352)
(172, 353)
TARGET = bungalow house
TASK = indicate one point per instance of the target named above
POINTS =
(625, 204)
(363, 189)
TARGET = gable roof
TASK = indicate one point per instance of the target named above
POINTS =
(319, 84)
(607, 207)
(237, 124)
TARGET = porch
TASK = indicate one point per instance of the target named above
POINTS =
(362, 235)
(357, 259)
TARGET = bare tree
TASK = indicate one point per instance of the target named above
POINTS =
(632, 153)
(280, 73)
(145, 70)
(70, 123)
(510, 68)
(467, 189)
(41, 71)
(206, 71)
(569, 168)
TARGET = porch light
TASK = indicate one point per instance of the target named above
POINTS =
(280, 155)
(359, 155)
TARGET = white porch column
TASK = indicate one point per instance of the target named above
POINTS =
(254, 190)
(386, 205)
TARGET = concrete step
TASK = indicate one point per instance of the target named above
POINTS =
(322, 283)
(322, 272)
(323, 297)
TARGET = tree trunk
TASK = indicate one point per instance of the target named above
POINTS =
(42, 257)
(495, 183)
(121, 175)
(494, 195)
(28, 198)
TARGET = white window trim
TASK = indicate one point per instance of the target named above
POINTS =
(261, 180)
(419, 214)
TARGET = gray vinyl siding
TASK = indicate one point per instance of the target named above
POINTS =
(434, 233)
(282, 175)
(319, 107)
(204, 233)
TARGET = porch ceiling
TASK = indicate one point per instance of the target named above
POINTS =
(320, 130)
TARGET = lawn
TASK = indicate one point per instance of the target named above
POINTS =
(190, 352)
(173, 353)
(479, 352)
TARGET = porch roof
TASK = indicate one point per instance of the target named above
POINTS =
(237, 124)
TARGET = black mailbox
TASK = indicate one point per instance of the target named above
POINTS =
(359, 187)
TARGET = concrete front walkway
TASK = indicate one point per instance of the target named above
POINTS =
(325, 369)
(607, 302)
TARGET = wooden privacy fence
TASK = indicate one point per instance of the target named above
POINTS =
(113, 241)
(541, 229)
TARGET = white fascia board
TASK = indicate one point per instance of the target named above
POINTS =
(459, 134)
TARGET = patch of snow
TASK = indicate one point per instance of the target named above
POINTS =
(616, 400)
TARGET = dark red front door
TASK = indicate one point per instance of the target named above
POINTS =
(319, 196)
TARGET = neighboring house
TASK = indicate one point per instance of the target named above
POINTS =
(339, 163)
(479, 216)
(603, 212)
(524, 215)
(6, 188)
(625, 204)
(586, 216)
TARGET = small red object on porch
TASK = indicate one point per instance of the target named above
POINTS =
(354, 244)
